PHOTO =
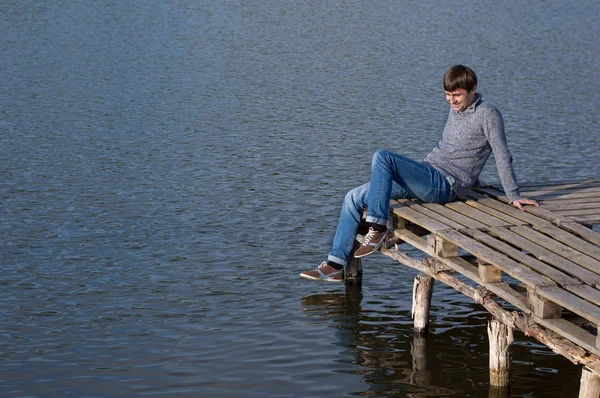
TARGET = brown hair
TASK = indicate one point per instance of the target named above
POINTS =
(460, 77)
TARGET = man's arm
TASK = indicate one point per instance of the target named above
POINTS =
(494, 131)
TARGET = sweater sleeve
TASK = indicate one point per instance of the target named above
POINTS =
(494, 132)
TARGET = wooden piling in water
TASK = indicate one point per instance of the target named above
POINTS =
(500, 337)
(353, 268)
(590, 384)
(422, 291)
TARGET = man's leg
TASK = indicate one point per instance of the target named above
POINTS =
(353, 206)
(419, 180)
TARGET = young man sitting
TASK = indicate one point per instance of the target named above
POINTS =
(474, 129)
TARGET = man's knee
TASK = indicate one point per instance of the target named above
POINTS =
(356, 197)
(380, 156)
(352, 196)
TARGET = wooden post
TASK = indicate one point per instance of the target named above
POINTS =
(422, 291)
(501, 337)
(542, 307)
(441, 247)
(488, 273)
(590, 384)
(353, 267)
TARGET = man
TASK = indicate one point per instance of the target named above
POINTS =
(473, 131)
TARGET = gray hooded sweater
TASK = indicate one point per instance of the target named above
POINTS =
(469, 138)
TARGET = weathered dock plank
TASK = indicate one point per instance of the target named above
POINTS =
(551, 272)
(549, 193)
(588, 220)
(511, 211)
(559, 184)
(580, 204)
(546, 255)
(587, 192)
(571, 302)
(547, 215)
(474, 213)
(448, 212)
(432, 214)
(496, 213)
(559, 248)
(580, 213)
(414, 216)
(571, 240)
(572, 332)
(587, 292)
(511, 267)
(581, 231)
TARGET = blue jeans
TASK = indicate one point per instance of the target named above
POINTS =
(393, 177)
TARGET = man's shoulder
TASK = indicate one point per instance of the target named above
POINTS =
(488, 110)
(488, 107)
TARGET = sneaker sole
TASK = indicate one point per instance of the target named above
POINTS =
(376, 248)
(312, 278)
(369, 253)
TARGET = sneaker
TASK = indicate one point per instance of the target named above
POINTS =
(324, 272)
(373, 241)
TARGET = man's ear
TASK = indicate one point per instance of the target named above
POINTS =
(474, 89)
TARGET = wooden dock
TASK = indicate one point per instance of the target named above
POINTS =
(536, 270)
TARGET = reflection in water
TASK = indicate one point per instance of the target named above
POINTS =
(420, 375)
(499, 392)
(392, 361)
(384, 354)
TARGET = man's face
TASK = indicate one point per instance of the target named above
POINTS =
(460, 99)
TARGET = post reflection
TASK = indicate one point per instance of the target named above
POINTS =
(390, 360)
(499, 392)
(420, 375)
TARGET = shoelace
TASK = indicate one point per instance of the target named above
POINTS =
(369, 236)
(322, 265)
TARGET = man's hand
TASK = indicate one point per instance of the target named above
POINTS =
(524, 201)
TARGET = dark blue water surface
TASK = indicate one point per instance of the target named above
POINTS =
(169, 167)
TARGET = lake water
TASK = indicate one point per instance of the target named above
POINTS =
(168, 168)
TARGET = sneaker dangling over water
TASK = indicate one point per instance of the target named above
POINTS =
(324, 272)
(373, 241)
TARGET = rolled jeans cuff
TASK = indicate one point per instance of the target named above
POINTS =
(375, 220)
(336, 260)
